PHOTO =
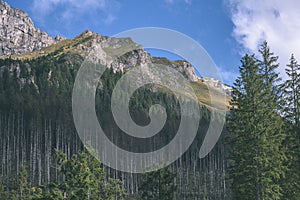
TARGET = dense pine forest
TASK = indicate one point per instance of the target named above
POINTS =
(37, 126)
(258, 157)
(264, 133)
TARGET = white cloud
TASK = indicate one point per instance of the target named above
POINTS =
(276, 21)
(74, 9)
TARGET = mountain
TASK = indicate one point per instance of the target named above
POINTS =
(126, 54)
(20, 39)
(37, 74)
(18, 33)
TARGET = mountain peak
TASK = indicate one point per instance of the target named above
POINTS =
(87, 33)
(18, 33)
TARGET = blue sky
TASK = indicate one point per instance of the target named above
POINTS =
(225, 28)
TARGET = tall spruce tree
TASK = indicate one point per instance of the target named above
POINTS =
(291, 92)
(291, 112)
(244, 132)
(256, 130)
(272, 153)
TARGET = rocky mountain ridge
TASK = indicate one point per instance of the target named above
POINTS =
(18, 34)
(20, 39)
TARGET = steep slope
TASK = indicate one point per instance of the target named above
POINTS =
(18, 33)
(122, 54)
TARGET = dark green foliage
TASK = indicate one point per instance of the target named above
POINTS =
(38, 86)
(291, 112)
(243, 130)
(20, 188)
(273, 154)
(291, 93)
(256, 130)
(83, 178)
(158, 185)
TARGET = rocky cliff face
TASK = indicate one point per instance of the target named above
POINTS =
(18, 33)
(123, 53)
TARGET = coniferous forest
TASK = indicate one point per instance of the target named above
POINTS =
(264, 133)
(257, 156)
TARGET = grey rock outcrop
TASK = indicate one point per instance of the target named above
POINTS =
(18, 34)
(186, 69)
(210, 82)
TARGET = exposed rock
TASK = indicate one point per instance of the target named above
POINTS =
(210, 82)
(186, 69)
(59, 38)
(18, 33)
(131, 59)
